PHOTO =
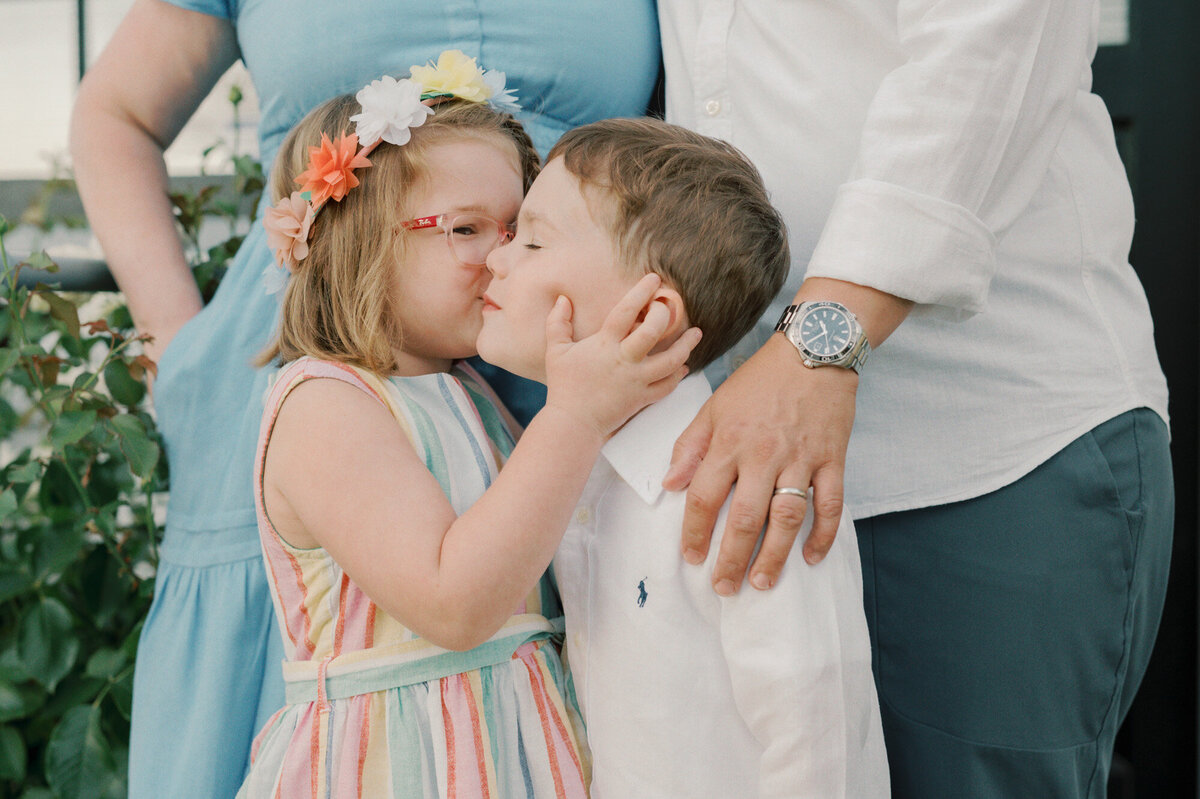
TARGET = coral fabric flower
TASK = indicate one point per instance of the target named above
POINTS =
(390, 109)
(456, 73)
(331, 166)
(287, 224)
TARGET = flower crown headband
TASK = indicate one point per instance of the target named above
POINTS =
(390, 110)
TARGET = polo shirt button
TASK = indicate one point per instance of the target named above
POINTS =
(712, 107)
(583, 514)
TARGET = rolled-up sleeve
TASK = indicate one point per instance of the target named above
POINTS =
(956, 141)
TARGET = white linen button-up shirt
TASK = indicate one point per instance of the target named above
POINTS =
(949, 152)
(689, 694)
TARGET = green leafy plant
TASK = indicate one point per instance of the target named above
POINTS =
(77, 536)
(82, 487)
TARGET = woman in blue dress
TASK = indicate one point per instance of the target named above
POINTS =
(207, 672)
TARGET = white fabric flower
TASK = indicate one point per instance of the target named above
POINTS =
(501, 99)
(390, 108)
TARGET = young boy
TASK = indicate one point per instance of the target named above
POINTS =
(684, 693)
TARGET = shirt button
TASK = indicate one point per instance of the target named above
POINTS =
(583, 514)
(712, 107)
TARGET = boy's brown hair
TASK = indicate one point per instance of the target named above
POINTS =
(339, 303)
(692, 209)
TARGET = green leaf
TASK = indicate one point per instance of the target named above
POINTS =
(4, 226)
(120, 318)
(122, 695)
(70, 427)
(39, 260)
(9, 419)
(12, 704)
(57, 549)
(16, 703)
(127, 425)
(38, 792)
(78, 760)
(81, 380)
(141, 452)
(61, 309)
(46, 643)
(8, 359)
(75, 689)
(106, 663)
(57, 494)
(14, 580)
(75, 347)
(25, 473)
(10, 664)
(124, 388)
(8, 502)
(12, 755)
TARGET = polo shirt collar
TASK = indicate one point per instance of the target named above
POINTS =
(640, 452)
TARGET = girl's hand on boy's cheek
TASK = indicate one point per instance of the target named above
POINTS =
(609, 376)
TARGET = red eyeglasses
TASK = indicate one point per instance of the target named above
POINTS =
(470, 236)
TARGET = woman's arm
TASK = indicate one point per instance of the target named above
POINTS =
(775, 423)
(956, 141)
(161, 62)
(340, 474)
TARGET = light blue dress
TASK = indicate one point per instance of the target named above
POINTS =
(208, 671)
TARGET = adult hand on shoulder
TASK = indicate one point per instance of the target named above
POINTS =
(772, 424)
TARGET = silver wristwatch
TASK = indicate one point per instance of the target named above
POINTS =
(826, 334)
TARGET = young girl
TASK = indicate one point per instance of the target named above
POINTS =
(405, 566)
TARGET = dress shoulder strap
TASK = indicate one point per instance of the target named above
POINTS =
(291, 376)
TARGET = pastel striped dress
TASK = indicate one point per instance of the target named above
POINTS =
(373, 710)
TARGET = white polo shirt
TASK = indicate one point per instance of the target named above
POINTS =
(686, 693)
(949, 152)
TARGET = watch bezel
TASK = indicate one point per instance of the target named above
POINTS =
(851, 356)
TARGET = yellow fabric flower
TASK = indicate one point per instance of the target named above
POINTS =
(455, 73)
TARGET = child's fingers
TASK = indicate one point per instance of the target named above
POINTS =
(645, 337)
(624, 315)
(559, 329)
(669, 360)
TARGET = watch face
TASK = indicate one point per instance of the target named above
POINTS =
(825, 331)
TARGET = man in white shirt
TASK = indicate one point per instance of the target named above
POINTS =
(684, 693)
(949, 179)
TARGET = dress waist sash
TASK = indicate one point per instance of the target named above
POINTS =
(406, 663)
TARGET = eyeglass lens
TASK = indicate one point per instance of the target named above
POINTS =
(472, 237)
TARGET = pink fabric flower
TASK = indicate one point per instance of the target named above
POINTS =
(331, 166)
(288, 223)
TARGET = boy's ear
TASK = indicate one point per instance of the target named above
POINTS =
(671, 299)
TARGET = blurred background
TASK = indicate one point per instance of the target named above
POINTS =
(1147, 70)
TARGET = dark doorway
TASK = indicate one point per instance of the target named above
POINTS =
(1152, 87)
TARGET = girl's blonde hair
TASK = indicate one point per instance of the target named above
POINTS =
(339, 304)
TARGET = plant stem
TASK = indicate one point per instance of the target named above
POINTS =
(151, 525)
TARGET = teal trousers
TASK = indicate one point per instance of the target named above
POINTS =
(1010, 632)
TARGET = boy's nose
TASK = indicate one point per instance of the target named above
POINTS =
(495, 261)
